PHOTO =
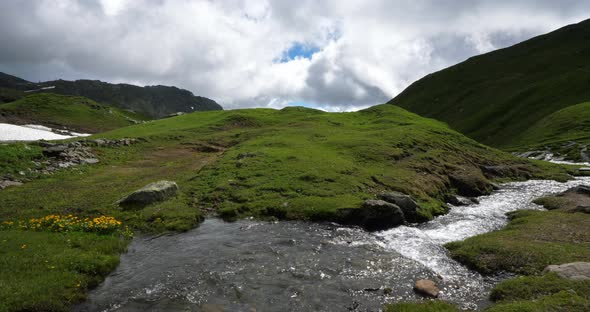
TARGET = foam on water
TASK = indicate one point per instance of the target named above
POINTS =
(299, 266)
(424, 243)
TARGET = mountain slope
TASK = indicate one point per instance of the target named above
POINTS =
(299, 163)
(69, 112)
(565, 133)
(496, 96)
(294, 163)
(153, 101)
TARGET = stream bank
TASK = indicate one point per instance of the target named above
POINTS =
(296, 266)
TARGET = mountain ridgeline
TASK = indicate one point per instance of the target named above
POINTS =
(495, 97)
(153, 101)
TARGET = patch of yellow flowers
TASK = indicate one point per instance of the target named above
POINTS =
(71, 223)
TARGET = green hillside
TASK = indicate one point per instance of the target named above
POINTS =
(495, 97)
(568, 124)
(294, 163)
(565, 132)
(66, 112)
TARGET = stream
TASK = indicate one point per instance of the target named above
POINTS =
(298, 266)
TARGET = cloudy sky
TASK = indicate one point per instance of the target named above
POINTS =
(333, 54)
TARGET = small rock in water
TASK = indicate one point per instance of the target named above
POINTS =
(572, 271)
(151, 193)
(462, 201)
(427, 288)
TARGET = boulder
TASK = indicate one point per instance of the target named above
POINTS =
(572, 271)
(584, 154)
(149, 194)
(374, 215)
(503, 171)
(470, 184)
(457, 200)
(54, 150)
(407, 204)
(89, 161)
(584, 209)
(7, 183)
(580, 189)
(427, 288)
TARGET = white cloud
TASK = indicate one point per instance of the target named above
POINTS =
(228, 50)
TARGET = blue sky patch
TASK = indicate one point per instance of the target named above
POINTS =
(298, 50)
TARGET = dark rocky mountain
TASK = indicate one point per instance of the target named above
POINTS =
(154, 101)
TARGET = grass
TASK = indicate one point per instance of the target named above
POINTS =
(70, 112)
(75, 190)
(563, 301)
(294, 163)
(553, 202)
(536, 287)
(496, 96)
(16, 158)
(305, 164)
(541, 293)
(531, 241)
(44, 271)
(10, 95)
(556, 131)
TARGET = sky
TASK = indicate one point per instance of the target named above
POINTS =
(336, 55)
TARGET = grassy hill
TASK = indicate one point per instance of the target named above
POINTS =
(69, 112)
(153, 101)
(495, 97)
(565, 132)
(294, 163)
(570, 123)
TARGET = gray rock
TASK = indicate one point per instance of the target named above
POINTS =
(405, 202)
(89, 161)
(100, 142)
(470, 184)
(580, 189)
(506, 171)
(572, 271)
(149, 194)
(462, 201)
(374, 215)
(54, 150)
(8, 183)
(427, 288)
(584, 154)
(584, 209)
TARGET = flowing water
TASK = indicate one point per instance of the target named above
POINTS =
(298, 266)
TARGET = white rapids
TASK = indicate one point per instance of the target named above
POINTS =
(424, 242)
(9, 132)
